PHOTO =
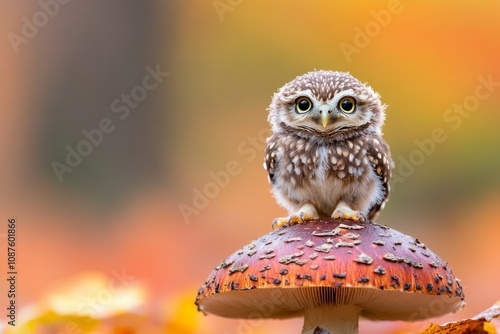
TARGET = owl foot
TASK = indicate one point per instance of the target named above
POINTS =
(344, 212)
(306, 212)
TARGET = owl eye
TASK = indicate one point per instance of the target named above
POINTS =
(347, 105)
(303, 105)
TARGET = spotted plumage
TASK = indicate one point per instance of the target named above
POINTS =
(326, 156)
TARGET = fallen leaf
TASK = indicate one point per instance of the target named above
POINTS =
(478, 324)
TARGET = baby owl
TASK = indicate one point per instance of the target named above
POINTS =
(326, 156)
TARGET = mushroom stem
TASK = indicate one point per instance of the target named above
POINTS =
(335, 319)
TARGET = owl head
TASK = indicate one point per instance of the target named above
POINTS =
(327, 104)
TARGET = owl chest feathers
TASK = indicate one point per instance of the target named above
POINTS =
(323, 172)
(303, 161)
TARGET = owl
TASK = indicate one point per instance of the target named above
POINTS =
(326, 156)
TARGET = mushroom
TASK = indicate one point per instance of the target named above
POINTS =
(331, 272)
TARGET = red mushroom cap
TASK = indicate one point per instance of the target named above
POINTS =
(389, 275)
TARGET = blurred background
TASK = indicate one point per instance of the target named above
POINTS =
(121, 121)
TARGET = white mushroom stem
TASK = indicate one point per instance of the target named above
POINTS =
(335, 319)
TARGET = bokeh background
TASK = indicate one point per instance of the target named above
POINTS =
(124, 241)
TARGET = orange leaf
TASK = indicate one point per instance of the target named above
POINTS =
(478, 324)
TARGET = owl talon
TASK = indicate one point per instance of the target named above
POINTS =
(279, 222)
(296, 218)
(337, 214)
(288, 221)
(346, 213)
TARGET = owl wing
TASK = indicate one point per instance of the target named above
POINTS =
(270, 158)
(379, 156)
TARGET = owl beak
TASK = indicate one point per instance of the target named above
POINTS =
(325, 117)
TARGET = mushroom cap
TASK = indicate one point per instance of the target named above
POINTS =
(389, 275)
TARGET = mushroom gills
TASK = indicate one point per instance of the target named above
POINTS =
(376, 304)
